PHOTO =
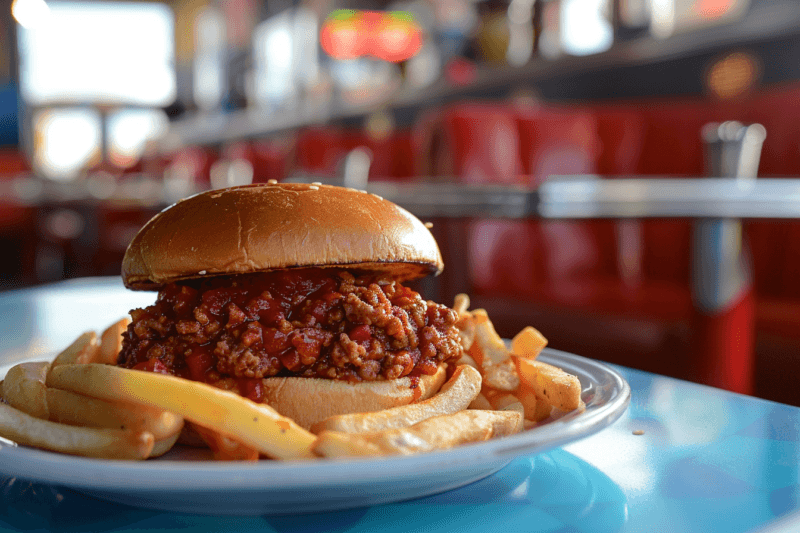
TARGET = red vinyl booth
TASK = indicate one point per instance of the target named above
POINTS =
(319, 150)
(616, 290)
(393, 156)
(17, 225)
(477, 143)
(322, 151)
(269, 157)
(197, 162)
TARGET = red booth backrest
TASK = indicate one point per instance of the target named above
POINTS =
(12, 163)
(197, 161)
(478, 143)
(621, 130)
(482, 143)
(558, 142)
(319, 150)
(12, 216)
(269, 157)
(672, 146)
(393, 155)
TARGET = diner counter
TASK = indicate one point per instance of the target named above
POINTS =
(593, 197)
(683, 457)
(561, 197)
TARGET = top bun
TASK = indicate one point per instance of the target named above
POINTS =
(258, 228)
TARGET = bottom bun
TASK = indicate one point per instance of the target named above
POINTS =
(311, 400)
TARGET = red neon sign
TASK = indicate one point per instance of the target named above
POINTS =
(390, 36)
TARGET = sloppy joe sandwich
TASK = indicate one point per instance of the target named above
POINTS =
(291, 295)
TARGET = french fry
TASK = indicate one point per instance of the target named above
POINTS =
(455, 395)
(334, 444)
(190, 437)
(491, 394)
(550, 383)
(513, 405)
(476, 354)
(558, 413)
(160, 447)
(27, 430)
(467, 360)
(24, 388)
(480, 402)
(436, 433)
(67, 407)
(465, 323)
(529, 424)
(493, 349)
(536, 409)
(461, 303)
(504, 400)
(560, 388)
(111, 343)
(83, 350)
(225, 448)
(491, 353)
(256, 425)
(502, 376)
(509, 402)
(466, 332)
(528, 343)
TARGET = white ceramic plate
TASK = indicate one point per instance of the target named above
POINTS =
(183, 481)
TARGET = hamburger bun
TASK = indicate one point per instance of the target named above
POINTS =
(311, 400)
(258, 228)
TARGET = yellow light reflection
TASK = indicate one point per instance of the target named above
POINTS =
(732, 76)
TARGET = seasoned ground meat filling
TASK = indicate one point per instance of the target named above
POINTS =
(291, 323)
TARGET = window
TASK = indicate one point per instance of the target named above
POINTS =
(586, 27)
(82, 55)
(129, 131)
(676, 16)
(284, 56)
(99, 52)
(209, 61)
(66, 140)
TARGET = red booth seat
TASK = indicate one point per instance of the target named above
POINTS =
(17, 226)
(268, 157)
(13, 217)
(319, 150)
(322, 150)
(478, 143)
(392, 153)
(195, 162)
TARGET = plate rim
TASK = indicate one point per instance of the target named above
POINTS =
(101, 474)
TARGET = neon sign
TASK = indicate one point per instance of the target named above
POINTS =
(390, 36)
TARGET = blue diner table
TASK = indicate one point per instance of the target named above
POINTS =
(684, 457)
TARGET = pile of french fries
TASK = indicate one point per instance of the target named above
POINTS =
(514, 376)
(82, 404)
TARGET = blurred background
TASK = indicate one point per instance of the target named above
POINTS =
(109, 111)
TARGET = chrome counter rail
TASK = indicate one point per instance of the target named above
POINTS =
(576, 197)
(586, 197)
(455, 200)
